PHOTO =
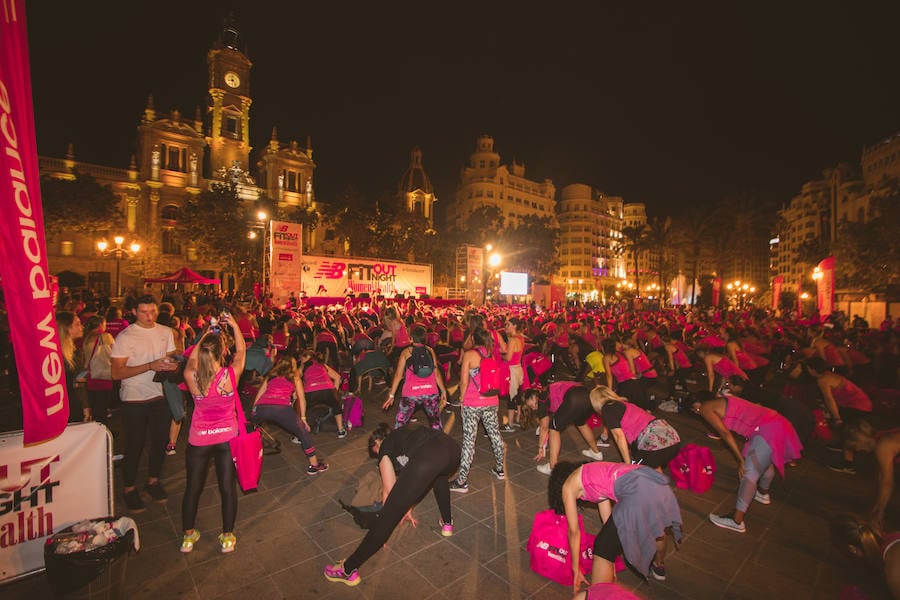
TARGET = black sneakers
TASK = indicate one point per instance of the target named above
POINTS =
(133, 501)
(156, 491)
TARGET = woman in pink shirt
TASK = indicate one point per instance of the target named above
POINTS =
(214, 422)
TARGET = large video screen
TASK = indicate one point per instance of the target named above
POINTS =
(513, 284)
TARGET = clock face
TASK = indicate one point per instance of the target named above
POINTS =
(232, 79)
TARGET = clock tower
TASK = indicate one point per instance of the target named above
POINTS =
(229, 101)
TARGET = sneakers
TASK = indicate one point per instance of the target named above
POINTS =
(446, 529)
(726, 522)
(507, 428)
(544, 468)
(843, 467)
(499, 473)
(456, 486)
(658, 572)
(156, 491)
(762, 498)
(603, 442)
(133, 501)
(336, 574)
(227, 542)
(187, 544)
(315, 470)
(342, 434)
(295, 440)
(592, 455)
(170, 449)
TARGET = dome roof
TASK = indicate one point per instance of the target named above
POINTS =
(415, 177)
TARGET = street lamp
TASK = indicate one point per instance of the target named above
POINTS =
(118, 251)
(493, 261)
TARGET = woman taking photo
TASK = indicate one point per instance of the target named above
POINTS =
(214, 422)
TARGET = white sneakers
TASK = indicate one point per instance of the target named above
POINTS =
(544, 468)
(592, 455)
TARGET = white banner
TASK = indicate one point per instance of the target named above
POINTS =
(47, 487)
(285, 252)
(333, 276)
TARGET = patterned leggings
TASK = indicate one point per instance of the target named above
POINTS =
(430, 404)
(470, 417)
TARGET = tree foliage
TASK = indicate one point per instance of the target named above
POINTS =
(217, 223)
(867, 255)
(79, 204)
(531, 247)
(634, 241)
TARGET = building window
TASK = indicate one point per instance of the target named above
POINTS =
(170, 244)
(169, 213)
(292, 181)
(67, 248)
(230, 126)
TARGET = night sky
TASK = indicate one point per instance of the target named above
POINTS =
(659, 103)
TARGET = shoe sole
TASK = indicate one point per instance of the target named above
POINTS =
(460, 490)
(316, 472)
(499, 476)
(657, 577)
(765, 502)
(342, 580)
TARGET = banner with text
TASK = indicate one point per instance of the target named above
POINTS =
(48, 487)
(23, 250)
(825, 287)
(777, 283)
(285, 252)
(337, 276)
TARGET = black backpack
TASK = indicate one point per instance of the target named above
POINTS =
(421, 363)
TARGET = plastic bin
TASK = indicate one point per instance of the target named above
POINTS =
(69, 572)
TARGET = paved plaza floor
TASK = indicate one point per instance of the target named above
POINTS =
(294, 525)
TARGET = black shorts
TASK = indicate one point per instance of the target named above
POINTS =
(575, 409)
(656, 458)
(607, 544)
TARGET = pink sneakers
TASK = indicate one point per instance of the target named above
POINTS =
(446, 529)
(336, 573)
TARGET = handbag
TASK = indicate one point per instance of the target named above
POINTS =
(99, 375)
(246, 448)
(548, 548)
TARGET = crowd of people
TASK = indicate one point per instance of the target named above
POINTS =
(755, 379)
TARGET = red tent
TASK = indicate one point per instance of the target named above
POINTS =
(182, 275)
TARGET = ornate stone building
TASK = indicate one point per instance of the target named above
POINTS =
(176, 158)
(415, 189)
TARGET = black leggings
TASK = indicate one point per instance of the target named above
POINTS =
(430, 467)
(137, 418)
(196, 460)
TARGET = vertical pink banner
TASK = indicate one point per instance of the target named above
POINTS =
(716, 290)
(825, 288)
(23, 257)
(777, 283)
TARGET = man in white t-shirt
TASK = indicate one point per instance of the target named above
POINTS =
(139, 351)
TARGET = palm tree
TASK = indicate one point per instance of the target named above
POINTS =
(692, 230)
(660, 239)
(634, 240)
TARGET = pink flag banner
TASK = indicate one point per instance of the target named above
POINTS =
(716, 290)
(777, 284)
(23, 256)
(825, 287)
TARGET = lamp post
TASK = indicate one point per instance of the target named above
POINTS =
(118, 251)
(261, 224)
(493, 261)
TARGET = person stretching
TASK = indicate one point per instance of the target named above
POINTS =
(411, 460)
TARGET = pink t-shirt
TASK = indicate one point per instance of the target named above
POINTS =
(316, 378)
(599, 479)
(214, 420)
(279, 391)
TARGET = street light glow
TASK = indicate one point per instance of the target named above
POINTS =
(494, 260)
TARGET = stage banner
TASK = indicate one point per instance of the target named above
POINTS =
(23, 250)
(825, 288)
(336, 277)
(285, 254)
(48, 487)
(777, 283)
(716, 290)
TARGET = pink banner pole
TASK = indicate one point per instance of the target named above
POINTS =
(23, 268)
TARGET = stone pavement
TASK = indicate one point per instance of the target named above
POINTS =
(294, 525)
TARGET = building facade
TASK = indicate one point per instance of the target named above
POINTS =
(487, 182)
(590, 237)
(176, 158)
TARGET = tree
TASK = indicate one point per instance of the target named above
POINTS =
(634, 240)
(80, 204)
(867, 255)
(531, 246)
(216, 223)
(660, 239)
(693, 229)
